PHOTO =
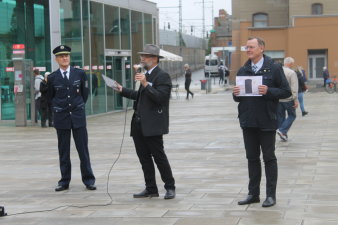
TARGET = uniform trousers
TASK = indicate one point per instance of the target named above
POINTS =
(148, 148)
(255, 141)
(81, 142)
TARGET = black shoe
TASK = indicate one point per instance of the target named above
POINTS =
(249, 199)
(62, 188)
(146, 194)
(91, 187)
(269, 201)
(192, 95)
(170, 194)
(305, 113)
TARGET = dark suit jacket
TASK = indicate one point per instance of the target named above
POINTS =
(68, 98)
(152, 103)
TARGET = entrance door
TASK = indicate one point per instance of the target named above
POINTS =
(316, 64)
(118, 69)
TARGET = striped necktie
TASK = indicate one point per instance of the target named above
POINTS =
(254, 68)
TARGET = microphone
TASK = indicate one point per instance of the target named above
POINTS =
(139, 68)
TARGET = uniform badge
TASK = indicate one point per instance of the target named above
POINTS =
(77, 90)
(62, 47)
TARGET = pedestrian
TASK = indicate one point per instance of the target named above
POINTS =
(188, 80)
(221, 74)
(37, 80)
(258, 119)
(151, 121)
(326, 75)
(46, 108)
(302, 88)
(290, 104)
(68, 93)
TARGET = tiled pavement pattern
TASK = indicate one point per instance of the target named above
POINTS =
(205, 149)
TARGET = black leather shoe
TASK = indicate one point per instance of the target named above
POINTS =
(249, 199)
(146, 194)
(170, 194)
(269, 201)
(91, 187)
(61, 188)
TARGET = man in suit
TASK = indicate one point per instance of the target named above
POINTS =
(150, 121)
(68, 93)
(258, 119)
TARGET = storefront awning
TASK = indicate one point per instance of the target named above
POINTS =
(168, 56)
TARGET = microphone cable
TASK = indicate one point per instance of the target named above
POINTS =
(107, 182)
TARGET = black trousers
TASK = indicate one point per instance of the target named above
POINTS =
(187, 87)
(81, 142)
(255, 141)
(148, 148)
(37, 109)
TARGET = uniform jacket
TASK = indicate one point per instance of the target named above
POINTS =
(261, 111)
(68, 98)
(152, 103)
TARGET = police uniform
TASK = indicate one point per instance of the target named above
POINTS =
(68, 93)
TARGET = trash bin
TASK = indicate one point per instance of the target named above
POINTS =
(203, 84)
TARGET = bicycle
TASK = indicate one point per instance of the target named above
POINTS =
(331, 85)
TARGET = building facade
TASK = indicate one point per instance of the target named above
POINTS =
(105, 36)
(303, 29)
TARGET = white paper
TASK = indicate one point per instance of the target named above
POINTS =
(110, 82)
(249, 85)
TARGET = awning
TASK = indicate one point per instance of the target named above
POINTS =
(168, 56)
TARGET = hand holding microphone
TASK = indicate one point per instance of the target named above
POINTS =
(139, 76)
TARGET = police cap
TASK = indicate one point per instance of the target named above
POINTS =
(61, 50)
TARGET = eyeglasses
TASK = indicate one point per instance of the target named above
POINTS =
(250, 47)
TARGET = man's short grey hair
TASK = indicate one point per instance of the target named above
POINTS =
(288, 60)
(260, 41)
(186, 65)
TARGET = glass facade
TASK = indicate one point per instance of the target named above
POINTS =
(22, 22)
(91, 29)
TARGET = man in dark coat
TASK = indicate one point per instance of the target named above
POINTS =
(68, 93)
(150, 121)
(258, 119)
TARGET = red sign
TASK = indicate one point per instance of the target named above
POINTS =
(40, 68)
(18, 46)
(9, 69)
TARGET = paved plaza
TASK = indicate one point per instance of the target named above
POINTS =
(206, 152)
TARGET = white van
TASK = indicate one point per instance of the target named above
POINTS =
(211, 63)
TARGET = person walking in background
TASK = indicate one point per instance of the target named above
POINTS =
(68, 93)
(37, 80)
(151, 121)
(289, 104)
(326, 75)
(302, 88)
(188, 80)
(258, 120)
(46, 109)
(221, 74)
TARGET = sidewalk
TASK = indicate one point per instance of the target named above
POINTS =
(205, 149)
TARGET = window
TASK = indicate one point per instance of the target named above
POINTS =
(260, 20)
(317, 9)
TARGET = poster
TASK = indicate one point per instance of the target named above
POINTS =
(249, 85)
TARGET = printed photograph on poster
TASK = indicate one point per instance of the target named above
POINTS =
(249, 85)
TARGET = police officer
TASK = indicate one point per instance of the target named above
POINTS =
(68, 93)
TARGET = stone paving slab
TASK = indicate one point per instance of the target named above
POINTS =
(205, 149)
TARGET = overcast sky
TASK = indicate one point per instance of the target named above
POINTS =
(192, 14)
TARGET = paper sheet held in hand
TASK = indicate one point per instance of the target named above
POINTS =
(110, 82)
